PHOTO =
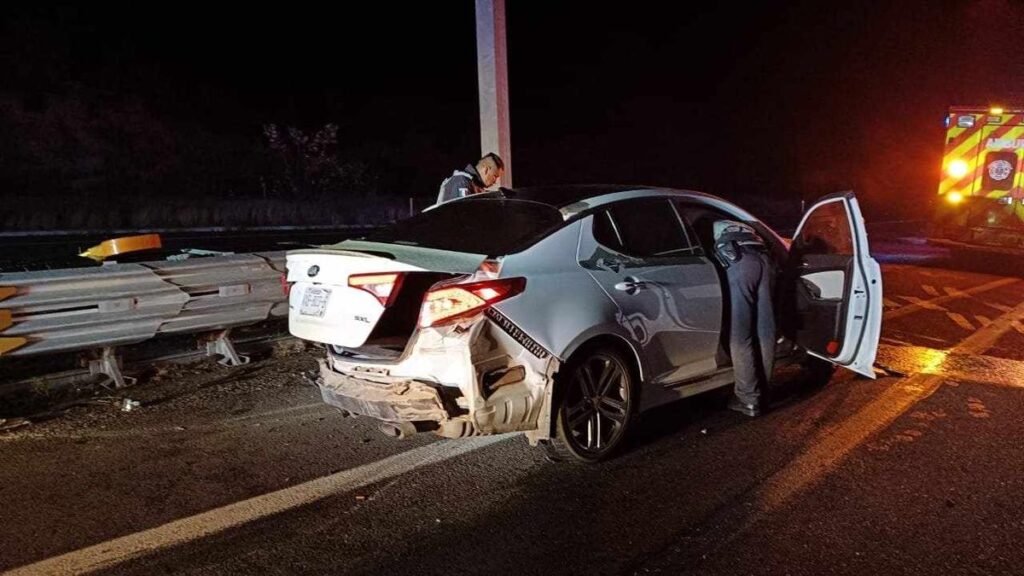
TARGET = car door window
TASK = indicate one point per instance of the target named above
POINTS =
(605, 232)
(701, 218)
(826, 232)
(646, 229)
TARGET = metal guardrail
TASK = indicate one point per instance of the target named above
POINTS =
(97, 309)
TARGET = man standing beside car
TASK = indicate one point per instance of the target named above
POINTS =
(751, 277)
(473, 179)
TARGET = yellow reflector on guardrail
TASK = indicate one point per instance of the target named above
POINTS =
(108, 248)
(7, 291)
(8, 344)
(5, 320)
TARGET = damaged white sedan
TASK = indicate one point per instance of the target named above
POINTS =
(564, 312)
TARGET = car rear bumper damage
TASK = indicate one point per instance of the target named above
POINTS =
(474, 379)
(400, 400)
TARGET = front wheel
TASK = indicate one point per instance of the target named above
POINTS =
(596, 404)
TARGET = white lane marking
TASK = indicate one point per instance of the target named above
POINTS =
(1018, 326)
(930, 290)
(934, 303)
(889, 303)
(955, 292)
(983, 320)
(961, 321)
(118, 550)
(827, 448)
(922, 303)
(1000, 307)
(832, 445)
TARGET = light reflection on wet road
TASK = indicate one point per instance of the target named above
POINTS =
(906, 360)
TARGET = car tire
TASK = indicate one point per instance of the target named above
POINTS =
(595, 405)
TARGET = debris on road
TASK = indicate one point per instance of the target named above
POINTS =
(882, 371)
(12, 423)
(127, 405)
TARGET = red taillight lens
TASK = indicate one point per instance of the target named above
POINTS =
(286, 288)
(449, 302)
(383, 286)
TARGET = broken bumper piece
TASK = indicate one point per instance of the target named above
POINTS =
(392, 400)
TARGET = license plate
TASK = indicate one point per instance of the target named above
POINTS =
(314, 302)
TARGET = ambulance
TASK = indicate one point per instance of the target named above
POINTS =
(981, 192)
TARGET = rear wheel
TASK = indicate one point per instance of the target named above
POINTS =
(596, 404)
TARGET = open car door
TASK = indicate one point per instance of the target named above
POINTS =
(835, 286)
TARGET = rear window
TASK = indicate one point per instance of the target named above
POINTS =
(490, 226)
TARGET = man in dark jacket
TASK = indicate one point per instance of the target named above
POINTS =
(751, 275)
(472, 179)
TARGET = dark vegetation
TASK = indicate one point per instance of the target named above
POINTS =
(86, 160)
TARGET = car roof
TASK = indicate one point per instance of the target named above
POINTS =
(574, 199)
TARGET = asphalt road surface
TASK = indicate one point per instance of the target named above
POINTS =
(244, 471)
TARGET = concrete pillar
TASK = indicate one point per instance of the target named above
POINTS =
(492, 71)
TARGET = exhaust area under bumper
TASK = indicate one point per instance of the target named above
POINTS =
(404, 400)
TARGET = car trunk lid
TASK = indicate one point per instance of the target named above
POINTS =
(325, 307)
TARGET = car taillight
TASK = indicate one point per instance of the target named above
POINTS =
(285, 286)
(449, 302)
(383, 286)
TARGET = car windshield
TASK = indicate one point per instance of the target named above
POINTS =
(491, 226)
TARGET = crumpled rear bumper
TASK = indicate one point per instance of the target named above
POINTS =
(474, 378)
(391, 399)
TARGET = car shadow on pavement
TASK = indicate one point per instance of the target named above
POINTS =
(790, 385)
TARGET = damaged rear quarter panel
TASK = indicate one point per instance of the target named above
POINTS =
(503, 383)
(563, 306)
(566, 307)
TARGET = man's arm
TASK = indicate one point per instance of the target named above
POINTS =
(457, 186)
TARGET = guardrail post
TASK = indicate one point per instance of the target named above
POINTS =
(109, 365)
(221, 346)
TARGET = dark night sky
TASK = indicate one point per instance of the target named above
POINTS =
(780, 100)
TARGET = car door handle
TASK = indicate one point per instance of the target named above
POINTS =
(631, 285)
